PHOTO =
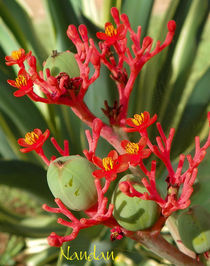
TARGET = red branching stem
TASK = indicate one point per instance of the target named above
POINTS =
(106, 186)
(82, 111)
(43, 156)
(65, 151)
(163, 151)
(93, 140)
(98, 214)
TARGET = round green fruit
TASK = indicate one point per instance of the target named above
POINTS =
(194, 229)
(133, 213)
(62, 62)
(70, 179)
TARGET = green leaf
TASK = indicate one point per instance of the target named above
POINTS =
(194, 115)
(201, 192)
(22, 112)
(19, 23)
(61, 14)
(16, 108)
(38, 226)
(26, 176)
(183, 59)
(43, 257)
(139, 13)
(154, 77)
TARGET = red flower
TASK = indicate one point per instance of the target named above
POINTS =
(33, 140)
(17, 57)
(110, 165)
(116, 233)
(136, 151)
(111, 34)
(140, 122)
(23, 82)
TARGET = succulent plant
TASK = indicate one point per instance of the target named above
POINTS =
(70, 179)
(133, 213)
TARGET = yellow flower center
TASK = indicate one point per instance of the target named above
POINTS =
(138, 119)
(110, 30)
(132, 148)
(20, 81)
(16, 54)
(31, 138)
(108, 163)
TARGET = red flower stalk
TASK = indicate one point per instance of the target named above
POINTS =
(110, 165)
(98, 215)
(23, 82)
(33, 140)
(140, 122)
(17, 57)
(135, 151)
(111, 34)
(93, 140)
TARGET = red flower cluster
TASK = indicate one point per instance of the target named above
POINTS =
(63, 89)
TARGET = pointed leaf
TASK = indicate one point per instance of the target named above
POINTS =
(61, 14)
(19, 23)
(26, 176)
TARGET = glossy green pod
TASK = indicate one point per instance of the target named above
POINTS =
(70, 179)
(133, 213)
(194, 229)
(62, 62)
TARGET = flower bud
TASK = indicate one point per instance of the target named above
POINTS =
(133, 213)
(70, 179)
(194, 229)
(62, 62)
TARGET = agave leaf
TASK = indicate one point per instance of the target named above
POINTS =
(194, 115)
(15, 108)
(139, 13)
(9, 146)
(183, 59)
(25, 176)
(19, 23)
(201, 191)
(7, 45)
(61, 14)
(38, 226)
(155, 74)
(43, 257)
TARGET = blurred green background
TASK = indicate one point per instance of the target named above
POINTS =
(174, 84)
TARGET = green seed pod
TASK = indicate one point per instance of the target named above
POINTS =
(194, 229)
(62, 62)
(133, 213)
(70, 179)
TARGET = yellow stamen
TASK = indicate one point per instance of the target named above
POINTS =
(110, 30)
(108, 163)
(31, 138)
(16, 54)
(20, 81)
(138, 119)
(132, 148)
